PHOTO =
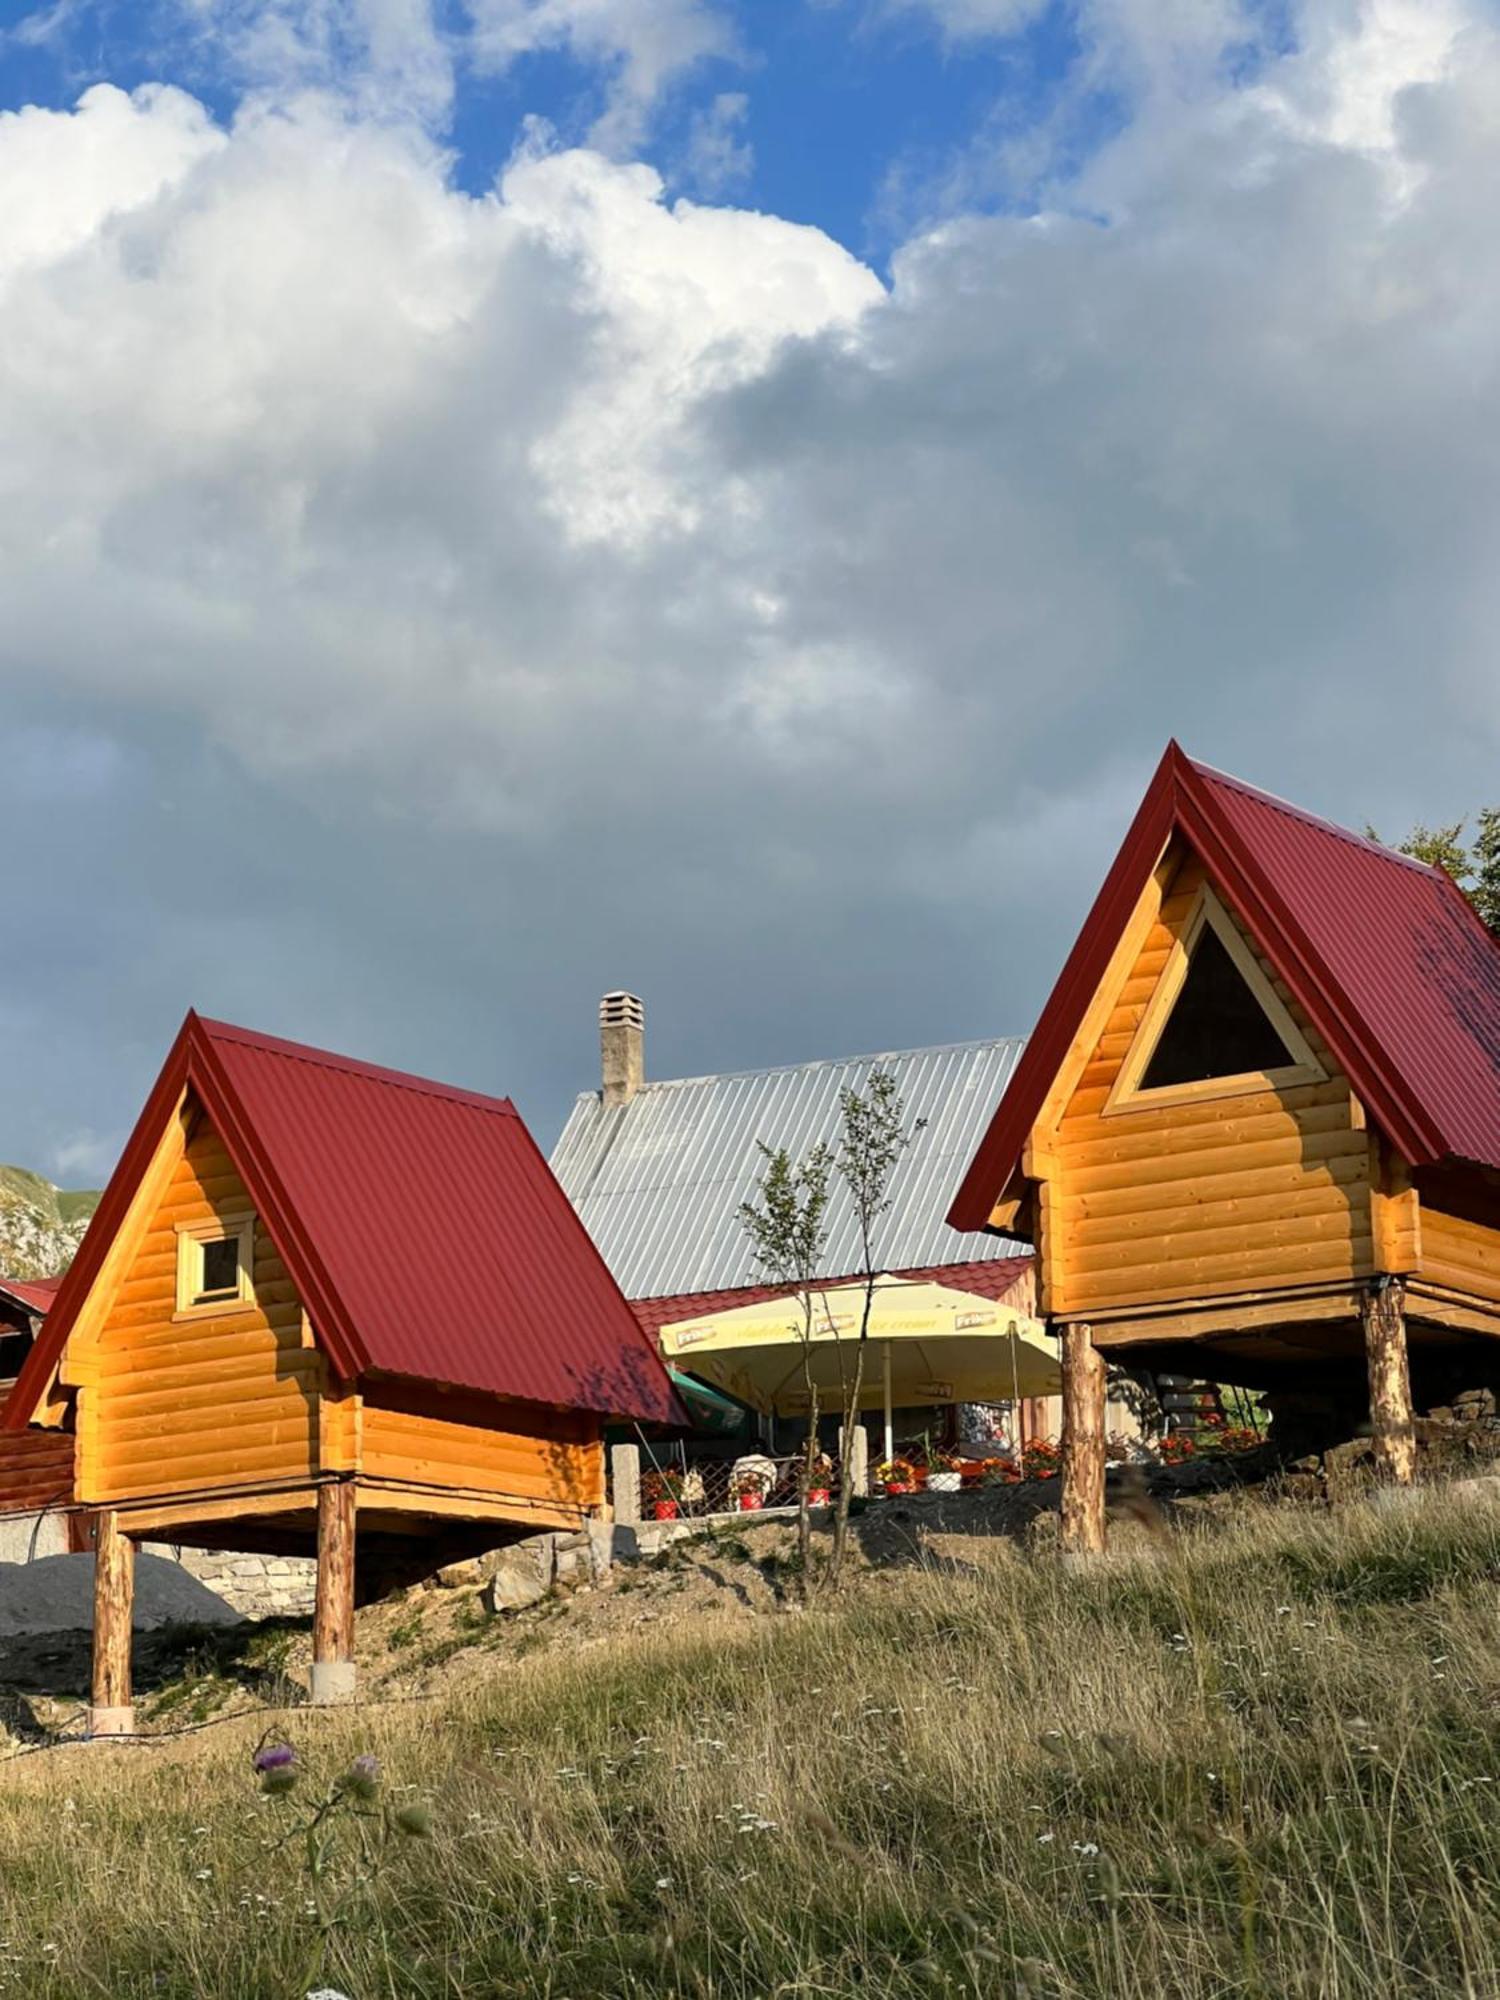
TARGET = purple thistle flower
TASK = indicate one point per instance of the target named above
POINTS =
(362, 1779)
(275, 1757)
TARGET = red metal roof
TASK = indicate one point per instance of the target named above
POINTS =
(33, 1295)
(991, 1279)
(1385, 955)
(422, 1227)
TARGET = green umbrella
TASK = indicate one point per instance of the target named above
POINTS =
(710, 1409)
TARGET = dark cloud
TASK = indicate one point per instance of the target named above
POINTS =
(423, 613)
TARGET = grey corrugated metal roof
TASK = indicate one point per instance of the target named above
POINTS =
(659, 1181)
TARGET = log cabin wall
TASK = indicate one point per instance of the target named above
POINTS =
(1217, 1196)
(1459, 1255)
(171, 1404)
(429, 1437)
(36, 1470)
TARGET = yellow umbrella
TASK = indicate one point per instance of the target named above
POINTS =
(929, 1344)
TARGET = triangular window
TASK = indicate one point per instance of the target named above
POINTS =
(1215, 1025)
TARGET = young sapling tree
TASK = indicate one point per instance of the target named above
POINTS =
(788, 1229)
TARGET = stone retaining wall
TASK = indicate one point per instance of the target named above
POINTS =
(255, 1586)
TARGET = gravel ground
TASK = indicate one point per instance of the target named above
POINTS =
(56, 1594)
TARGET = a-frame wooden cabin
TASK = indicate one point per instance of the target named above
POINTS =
(314, 1287)
(1256, 1134)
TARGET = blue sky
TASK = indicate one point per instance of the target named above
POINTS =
(852, 116)
(448, 575)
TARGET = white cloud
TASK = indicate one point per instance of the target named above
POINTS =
(719, 156)
(401, 59)
(645, 46)
(722, 595)
(83, 1159)
(384, 58)
(66, 173)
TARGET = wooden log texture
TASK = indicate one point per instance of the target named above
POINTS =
(1462, 1256)
(333, 1611)
(1390, 1382)
(36, 1470)
(1083, 1394)
(1208, 1196)
(219, 1399)
(114, 1592)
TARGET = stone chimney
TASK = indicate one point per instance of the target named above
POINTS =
(622, 1046)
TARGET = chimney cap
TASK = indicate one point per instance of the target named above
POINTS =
(622, 1010)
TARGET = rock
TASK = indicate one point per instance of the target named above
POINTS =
(1303, 1486)
(601, 1542)
(1474, 1405)
(456, 1576)
(512, 1587)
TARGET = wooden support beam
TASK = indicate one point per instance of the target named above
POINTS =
(1083, 1392)
(110, 1711)
(1384, 1317)
(333, 1612)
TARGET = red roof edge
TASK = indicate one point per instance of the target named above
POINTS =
(104, 1224)
(195, 1063)
(1180, 798)
(191, 1063)
(32, 1295)
(1296, 958)
(335, 1331)
(999, 1152)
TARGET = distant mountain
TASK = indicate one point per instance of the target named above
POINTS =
(40, 1225)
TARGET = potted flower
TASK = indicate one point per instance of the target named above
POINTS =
(1040, 1459)
(661, 1491)
(945, 1472)
(897, 1476)
(819, 1480)
(1001, 1472)
(750, 1482)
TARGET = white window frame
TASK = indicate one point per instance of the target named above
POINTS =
(1127, 1093)
(191, 1237)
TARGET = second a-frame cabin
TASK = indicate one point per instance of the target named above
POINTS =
(1256, 1134)
(323, 1303)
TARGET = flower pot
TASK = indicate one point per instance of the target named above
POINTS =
(896, 1487)
(665, 1510)
(817, 1496)
(944, 1482)
(751, 1503)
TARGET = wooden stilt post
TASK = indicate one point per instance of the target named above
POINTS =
(1384, 1316)
(1083, 1375)
(110, 1710)
(333, 1612)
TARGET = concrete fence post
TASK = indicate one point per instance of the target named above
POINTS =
(625, 1483)
(857, 1460)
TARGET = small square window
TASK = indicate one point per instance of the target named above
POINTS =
(215, 1264)
(220, 1274)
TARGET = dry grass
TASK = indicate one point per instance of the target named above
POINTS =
(1260, 1759)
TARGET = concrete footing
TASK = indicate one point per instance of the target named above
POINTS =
(333, 1681)
(1082, 1562)
(111, 1722)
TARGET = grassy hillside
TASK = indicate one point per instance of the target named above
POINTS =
(40, 1225)
(1260, 1760)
